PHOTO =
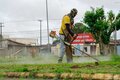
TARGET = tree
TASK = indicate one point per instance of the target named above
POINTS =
(101, 26)
(79, 28)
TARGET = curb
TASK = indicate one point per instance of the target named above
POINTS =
(97, 76)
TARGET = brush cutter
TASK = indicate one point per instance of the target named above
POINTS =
(54, 35)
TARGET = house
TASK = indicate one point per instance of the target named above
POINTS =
(27, 41)
(115, 44)
(84, 42)
(13, 47)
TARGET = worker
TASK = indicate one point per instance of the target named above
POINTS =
(66, 34)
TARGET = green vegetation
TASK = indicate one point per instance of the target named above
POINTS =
(103, 67)
(21, 66)
(115, 57)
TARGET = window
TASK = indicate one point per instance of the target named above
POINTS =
(85, 49)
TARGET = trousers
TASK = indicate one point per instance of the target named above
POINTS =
(64, 49)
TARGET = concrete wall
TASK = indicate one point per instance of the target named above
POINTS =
(16, 50)
(118, 49)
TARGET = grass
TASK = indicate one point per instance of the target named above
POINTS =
(104, 67)
(33, 66)
(28, 64)
(115, 57)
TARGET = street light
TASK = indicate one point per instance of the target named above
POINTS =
(40, 32)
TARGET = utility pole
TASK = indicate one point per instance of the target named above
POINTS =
(40, 32)
(115, 40)
(1, 25)
(47, 25)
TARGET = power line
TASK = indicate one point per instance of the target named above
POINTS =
(17, 21)
(36, 20)
(43, 30)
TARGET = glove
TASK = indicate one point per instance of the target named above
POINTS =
(75, 35)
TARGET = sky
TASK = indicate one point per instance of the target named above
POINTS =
(20, 17)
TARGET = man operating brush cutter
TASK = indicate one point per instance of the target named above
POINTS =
(67, 34)
(54, 35)
(68, 47)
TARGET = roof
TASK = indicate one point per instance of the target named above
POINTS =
(115, 41)
(14, 42)
(84, 38)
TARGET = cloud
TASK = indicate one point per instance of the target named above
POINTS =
(36, 9)
(22, 15)
(23, 9)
